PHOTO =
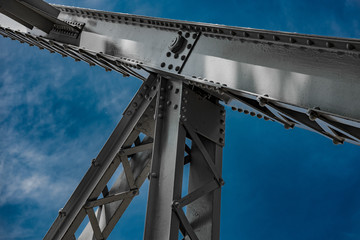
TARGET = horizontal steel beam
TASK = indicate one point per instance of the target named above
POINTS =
(297, 72)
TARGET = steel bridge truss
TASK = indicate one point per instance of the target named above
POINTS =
(166, 125)
(331, 123)
(176, 118)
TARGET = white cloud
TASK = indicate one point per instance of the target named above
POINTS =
(26, 174)
(15, 232)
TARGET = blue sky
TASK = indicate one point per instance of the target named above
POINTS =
(55, 115)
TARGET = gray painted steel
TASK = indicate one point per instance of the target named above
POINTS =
(297, 80)
(297, 73)
(167, 164)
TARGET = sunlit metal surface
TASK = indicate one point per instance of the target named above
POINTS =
(296, 80)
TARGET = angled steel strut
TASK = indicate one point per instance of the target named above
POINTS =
(176, 118)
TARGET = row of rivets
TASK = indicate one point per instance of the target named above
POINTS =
(222, 125)
(253, 114)
(292, 40)
(207, 30)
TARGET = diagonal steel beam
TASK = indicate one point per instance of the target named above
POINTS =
(104, 165)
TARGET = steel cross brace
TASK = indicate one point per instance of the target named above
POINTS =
(177, 114)
(117, 150)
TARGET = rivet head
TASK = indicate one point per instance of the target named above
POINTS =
(349, 46)
(176, 204)
(222, 182)
(153, 175)
(329, 45)
(183, 117)
(337, 141)
(62, 213)
(94, 162)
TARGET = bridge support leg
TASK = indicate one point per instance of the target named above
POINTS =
(189, 130)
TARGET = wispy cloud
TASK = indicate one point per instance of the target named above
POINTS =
(54, 118)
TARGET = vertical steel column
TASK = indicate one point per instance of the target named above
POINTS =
(167, 165)
(182, 112)
(205, 126)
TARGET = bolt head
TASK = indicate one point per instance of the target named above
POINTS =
(177, 44)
